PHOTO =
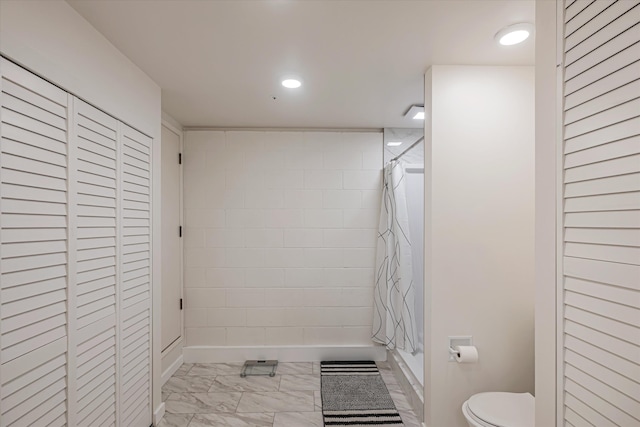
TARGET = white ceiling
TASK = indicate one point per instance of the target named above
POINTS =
(220, 63)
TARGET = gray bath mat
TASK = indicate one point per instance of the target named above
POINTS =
(354, 394)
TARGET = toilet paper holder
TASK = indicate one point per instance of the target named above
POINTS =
(455, 341)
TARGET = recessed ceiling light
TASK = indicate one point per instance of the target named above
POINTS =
(514, 34)
(416, 112)
(394, 143)
(291, 83)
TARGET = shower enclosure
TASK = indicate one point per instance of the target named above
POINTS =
(414, 186)
(407, 195)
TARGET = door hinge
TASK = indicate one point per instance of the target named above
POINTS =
(180, 303)
(180, 231)
(179, 158)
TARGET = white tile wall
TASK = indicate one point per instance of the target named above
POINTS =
(226, 317)
(303, 238)
(280, 234)
(285, 336)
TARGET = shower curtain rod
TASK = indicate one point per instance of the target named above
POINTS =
(405, 151)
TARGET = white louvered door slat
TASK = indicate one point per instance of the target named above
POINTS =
(33, 249)
(135, 295)
(601, 29)
(97, 264)
(599, 360)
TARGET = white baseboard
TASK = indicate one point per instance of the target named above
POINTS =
(158, 414)
(210, 354)
(172, 369)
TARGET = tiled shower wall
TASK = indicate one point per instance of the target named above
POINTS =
(280, 236)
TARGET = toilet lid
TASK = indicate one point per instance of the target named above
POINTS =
(504, 409)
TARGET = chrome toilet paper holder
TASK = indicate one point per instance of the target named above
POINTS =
(455, 341)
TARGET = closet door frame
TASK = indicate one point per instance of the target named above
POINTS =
(559, 232)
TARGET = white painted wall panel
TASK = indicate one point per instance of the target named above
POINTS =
(480, 232)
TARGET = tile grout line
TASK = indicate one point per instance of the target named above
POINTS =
(235, 411)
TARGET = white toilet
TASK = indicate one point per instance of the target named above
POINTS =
(498, 409)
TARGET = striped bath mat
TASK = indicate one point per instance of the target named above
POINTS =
(354, 394)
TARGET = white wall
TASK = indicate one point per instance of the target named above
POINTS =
(479, 165)
(51, 39)
(280, 237)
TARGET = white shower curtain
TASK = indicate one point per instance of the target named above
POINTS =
(394, 320)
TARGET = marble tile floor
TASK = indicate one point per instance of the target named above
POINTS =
(200, 395)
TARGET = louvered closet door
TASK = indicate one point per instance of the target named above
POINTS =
(135, 365)
(600, 355)
(33, 248)
(96, 177)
